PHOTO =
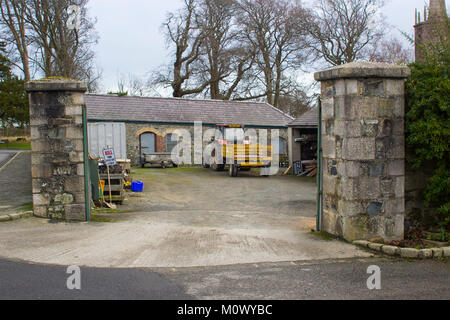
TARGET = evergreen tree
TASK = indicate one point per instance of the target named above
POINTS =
(14, 110)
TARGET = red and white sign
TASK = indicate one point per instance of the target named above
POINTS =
(109, 156)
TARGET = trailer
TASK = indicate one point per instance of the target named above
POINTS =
(239, 153)
(164, 159)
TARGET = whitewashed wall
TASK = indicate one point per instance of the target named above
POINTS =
(111, 134)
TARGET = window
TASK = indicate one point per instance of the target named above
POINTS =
(170, 143)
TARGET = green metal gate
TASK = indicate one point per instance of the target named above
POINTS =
(319, 168)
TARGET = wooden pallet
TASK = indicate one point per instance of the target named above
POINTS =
(117, 188)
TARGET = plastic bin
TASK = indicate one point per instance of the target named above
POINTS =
(137, 186)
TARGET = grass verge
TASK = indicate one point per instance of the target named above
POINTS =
(16, 146)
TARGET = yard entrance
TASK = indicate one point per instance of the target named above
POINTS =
(185, 217)
(203, 217)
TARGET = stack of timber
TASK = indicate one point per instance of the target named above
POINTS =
(310, 168)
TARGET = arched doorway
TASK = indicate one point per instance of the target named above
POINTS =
(147, 142)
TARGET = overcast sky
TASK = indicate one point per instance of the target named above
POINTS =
(131, 39)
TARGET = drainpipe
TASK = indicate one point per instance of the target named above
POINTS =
(319, 168)
(86, 166)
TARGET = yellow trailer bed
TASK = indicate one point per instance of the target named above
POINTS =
(246, 156)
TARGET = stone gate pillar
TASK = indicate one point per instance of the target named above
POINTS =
(56, 118)
(363, 108)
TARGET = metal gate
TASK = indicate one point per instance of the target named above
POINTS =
(319, 168)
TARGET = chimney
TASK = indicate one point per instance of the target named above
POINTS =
(437, 9)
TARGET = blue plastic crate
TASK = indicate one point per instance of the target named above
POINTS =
(137, 186)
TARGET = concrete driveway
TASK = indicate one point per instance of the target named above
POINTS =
(186, 218)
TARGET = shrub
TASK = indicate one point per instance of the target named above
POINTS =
(428, 127)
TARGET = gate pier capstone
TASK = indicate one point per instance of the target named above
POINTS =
(363, 142)
(57, 143)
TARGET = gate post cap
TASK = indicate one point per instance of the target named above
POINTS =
(56, 84)
(363, 70)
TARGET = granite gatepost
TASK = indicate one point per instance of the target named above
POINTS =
(56, 119)
(363, 108)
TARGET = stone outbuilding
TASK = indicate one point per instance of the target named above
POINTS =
(302, 134)
(141, 122)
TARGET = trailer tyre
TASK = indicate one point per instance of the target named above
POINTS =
(233, 170)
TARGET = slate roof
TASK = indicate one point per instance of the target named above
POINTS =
(308, 120)
(176, 110)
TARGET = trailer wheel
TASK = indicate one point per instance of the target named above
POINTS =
(218, 167)
(233, 170)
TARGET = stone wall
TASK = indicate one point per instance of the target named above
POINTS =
(56, 120)
(134, 130)
(363, 150)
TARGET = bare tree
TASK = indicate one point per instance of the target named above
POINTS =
(296, 103)
(272, 27)
(341, 30)
(63, 51)
(236, 49)
(185, 36)
(13, 13)
(226, 55)
(137, 86)
(122, 83)
(39, 32)
(390, 51)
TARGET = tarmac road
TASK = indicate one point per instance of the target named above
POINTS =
(332, 279)
(31, 281)
(15, 187)
(5, 155)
